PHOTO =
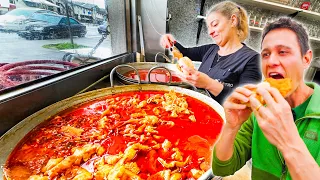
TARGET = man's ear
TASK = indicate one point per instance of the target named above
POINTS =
(307, 58)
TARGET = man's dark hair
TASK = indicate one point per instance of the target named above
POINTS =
(297, 28)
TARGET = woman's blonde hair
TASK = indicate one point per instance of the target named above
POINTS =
(227, 9)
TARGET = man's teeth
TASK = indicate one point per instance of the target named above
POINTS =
(274, 74)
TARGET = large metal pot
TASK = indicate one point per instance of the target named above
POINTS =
(166, 69)
(151, 67)
(11, 138)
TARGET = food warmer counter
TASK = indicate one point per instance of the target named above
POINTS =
(37, 150)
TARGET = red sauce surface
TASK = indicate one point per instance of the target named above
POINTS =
(47, 141)
(157, 75)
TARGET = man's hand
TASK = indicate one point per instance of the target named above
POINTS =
(237, 113)
(277, 124)
(275, 119)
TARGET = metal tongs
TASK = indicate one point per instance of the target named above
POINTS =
(176, 54)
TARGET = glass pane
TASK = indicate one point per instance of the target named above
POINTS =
(72, 21)
(37, 40)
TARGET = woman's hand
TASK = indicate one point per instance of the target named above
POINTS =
(275, 119)
(167, 41)
(237, 112)
(193, 76)
(199, 79)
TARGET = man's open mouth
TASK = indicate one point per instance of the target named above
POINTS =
(276, 75)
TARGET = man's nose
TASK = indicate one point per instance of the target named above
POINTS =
(273, 60)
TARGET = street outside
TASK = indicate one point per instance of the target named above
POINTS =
(16, 49)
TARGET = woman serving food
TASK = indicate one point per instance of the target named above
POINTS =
(226, 64)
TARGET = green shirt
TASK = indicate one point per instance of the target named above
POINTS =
(301, 109)
(267, 161)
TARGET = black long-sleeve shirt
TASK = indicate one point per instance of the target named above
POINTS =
(239, 68)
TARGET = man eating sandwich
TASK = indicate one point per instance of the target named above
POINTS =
(281, 132)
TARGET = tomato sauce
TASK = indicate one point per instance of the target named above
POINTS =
(157, 75)
(46, 141)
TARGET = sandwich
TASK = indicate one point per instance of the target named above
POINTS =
(186, 61)
(283, 85)
(176, 53)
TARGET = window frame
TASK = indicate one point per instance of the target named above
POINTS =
(4, 94)
(19, 102)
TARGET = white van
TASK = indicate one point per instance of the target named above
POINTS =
(14, 20)
(4, 6)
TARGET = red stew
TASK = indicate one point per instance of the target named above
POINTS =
(48, 140)
(157, 75)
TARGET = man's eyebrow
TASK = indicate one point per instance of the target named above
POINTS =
(265, 49)
(278, 46)
(283, 46)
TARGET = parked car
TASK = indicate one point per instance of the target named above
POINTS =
(49, 26)
(104, 28)
(14, 20)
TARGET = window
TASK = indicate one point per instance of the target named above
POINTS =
(72, 21)
(45, 17)
(36, 42)
(63, 21)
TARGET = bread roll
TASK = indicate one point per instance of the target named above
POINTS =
(185, 61)
(283, 85)
(176, 53)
